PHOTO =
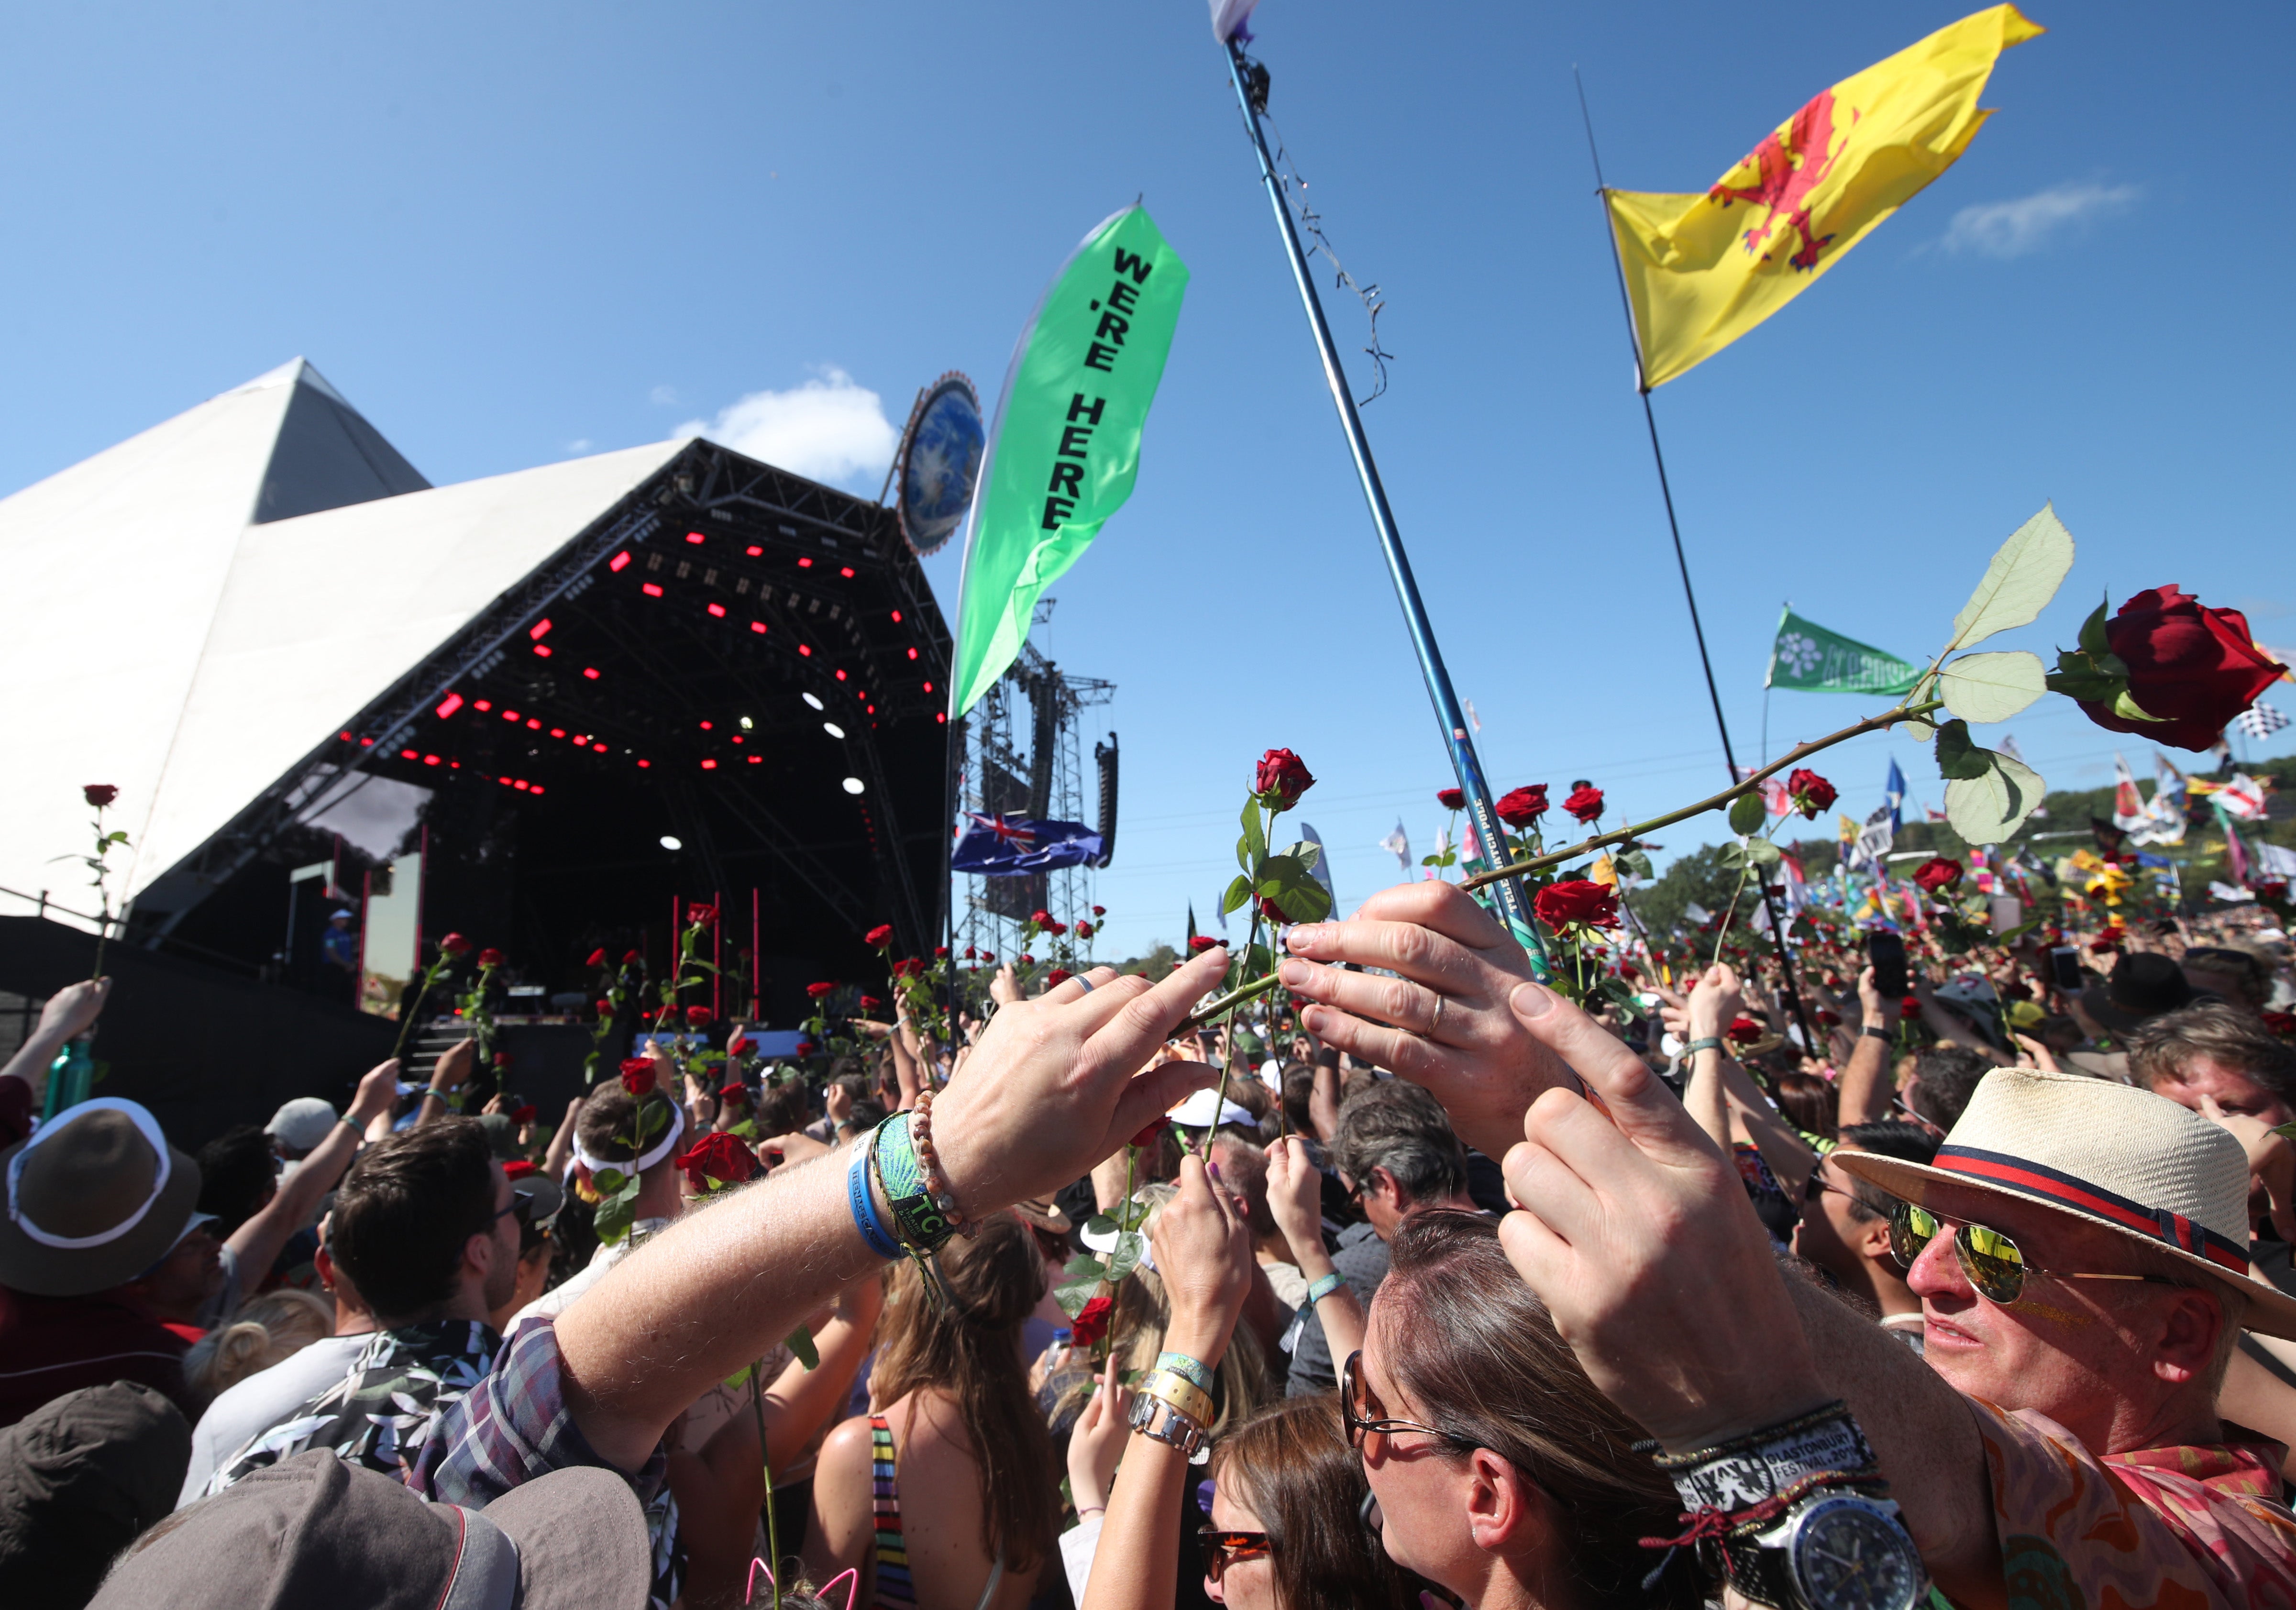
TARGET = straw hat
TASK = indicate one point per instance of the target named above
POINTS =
(2112, 1155)
(93, 1199)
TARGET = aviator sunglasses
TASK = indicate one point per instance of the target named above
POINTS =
(1990, 1258)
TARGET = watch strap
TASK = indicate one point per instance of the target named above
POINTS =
(1704, 1042)
(1876, 1032)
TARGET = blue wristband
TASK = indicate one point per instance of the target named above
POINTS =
(1324, 1287)
(1188, 1369)
(866, 1218)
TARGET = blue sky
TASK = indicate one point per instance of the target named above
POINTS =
(513, 233)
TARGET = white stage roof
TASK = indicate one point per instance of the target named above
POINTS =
(201, 606)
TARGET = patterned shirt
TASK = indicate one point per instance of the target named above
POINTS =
(2172, 1528)
(514, 1426)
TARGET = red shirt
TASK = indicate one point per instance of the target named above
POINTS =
(52, 1345)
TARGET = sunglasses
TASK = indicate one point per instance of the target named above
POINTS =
(1223, 1548)
(1362, 1412)
(1990, 1258)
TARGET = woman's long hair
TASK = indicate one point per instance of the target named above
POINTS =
(1289, 1465)
(1478, 1355)
(971, 1349)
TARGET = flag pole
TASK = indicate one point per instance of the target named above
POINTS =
(1681, 564)
(1252, 99)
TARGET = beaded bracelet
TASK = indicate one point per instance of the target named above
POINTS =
(1191, 1369)
(1325, 1286)
(929, 1164)
(1181, 1393)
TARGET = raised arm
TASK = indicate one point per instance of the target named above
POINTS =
(1868, 1086)
(256, 1243)
(1053, 1089)
(70, 1011)
(1295, 1194)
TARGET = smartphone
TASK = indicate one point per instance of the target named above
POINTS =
(1886, 952)
(2065, 968)
(2008, 911)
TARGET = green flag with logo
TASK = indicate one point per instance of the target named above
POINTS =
(1810, 659)
(1065, 446)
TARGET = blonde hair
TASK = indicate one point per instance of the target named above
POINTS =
(263, 1331)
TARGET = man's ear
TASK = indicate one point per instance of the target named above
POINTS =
(1501, 1505)
(1379, 1182)
(1873, 1242)
(2188, 1330)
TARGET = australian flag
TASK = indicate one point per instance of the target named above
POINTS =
(1004, 846)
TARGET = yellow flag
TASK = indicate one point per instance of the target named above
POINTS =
(1702, 270)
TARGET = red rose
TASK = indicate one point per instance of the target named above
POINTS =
(597, 958)
(2107, 941)
(880, 937)
(490, 957)
(501, 1059)
(631, 958)
(1201, 943)
(701, 916)
(1040, 919)
(1273, 912)
(518, 1168)
(1577, 900)
(1910, 1006)
(818, 990)
(717, 1159)
(738, 1043)
(1744, 1030)
(697, 1016)
(1056, 929)
(1522, 807)
(1100, 911)
(1938, 874)
(1147, 1136)
(453, 944)
(988, 955)
(523, 1115)
(1084, 930)
(1091, 1324)
(1830, 1019)
(940, 953)
(1451, 799)
(970, 954)
(2194, 668)
(637, 1074)
(806, 1048)
(1027, 960)
(870, 1003)
(100, 794)
(1058, 975)
(2275, 890)
(1282, 778)
(1810, 792)
(605, 1008)
(733, 1089)
(1584, 802)
(909, 966)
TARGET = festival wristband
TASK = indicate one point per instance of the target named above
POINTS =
(865, 1217)
(1877, 1031)
(922, 1226)
(1181, 1393)
(1705, 1042)
(1325, 1286)
(1752, 1469)
(1180, 1363)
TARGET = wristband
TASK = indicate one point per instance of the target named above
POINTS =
(1324, 1287)
(353, 1125)
(864, 1201)
(918, 1220)
(1190, 1369)
(1752, 1469)
(1181, 1393)
(1877, 1031)
(1704, 1042)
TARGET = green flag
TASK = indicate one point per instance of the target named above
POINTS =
(1066, 442)
(1808, 657)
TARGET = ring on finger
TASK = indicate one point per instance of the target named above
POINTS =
(1435, 1021)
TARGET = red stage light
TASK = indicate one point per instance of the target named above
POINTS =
(806, 649)
(694, 537)
(510, 715)
(539, 629)
(755, 759)
(453, 765)
(940, 716)
(345, 738)
(543, 649)
(737, 737)
(483, 704)
(805, 565)
(557, 731)
(912, 654)
(536, 789)
(619, 560)
(408, 754)
(757, 626)
(520, 784)
(753, 552)
(840, 676)
(599, 747)
(708, 765)
(705, 726)
(846, 571)
(447, 706)
(430, 759)
(897, 617)
(505, 782)
(366, 742)
(644, 763)
(718, 610)
(872, 709)
(651, 590)
(928, 687)
(537, 725)
(591, 672)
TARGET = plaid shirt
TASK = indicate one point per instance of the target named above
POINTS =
(513, 1426)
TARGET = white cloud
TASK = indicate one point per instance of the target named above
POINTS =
(663, 397)
(828, 428)
(578, 447)
(2014, 228)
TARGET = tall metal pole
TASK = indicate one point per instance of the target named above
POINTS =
(1513, 907)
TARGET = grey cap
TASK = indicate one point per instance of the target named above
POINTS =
(313, 1530)
(301, 1123)
(79, 1477)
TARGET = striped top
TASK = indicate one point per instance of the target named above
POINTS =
(895, 1589)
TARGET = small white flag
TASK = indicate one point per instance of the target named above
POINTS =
(2008, 746)
(1398, 846)
(1474, 719)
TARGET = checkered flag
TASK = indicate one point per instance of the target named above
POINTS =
(2259, 721)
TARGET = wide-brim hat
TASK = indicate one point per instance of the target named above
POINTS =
(2112, 1155)
(1045, 1213)
(573, 1539)
(91, 1201)
(2142, 984)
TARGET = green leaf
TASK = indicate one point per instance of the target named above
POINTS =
(608, 1181)
(2127, 709)
(2094, 641)
(616, 1214)
(1956, 756)
(1076, 1293)
(1250, 847)
(1746, 812)
(1286, 880)
(1099, 1225)
(1632, 863)
(1307, 853)
(1992, 687)
(1990, 808)
(1132, 1214)
(1918, 729)
(1238, 892)
(1761, 852)
(739, 1378)
(800, 1342)
(1124, 1256)
(2024, 575)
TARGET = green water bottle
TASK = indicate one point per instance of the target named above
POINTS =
(70, 1078)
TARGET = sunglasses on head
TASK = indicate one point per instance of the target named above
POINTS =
(1990, 1258)
(1223, 1548)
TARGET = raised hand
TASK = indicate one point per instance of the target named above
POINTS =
(73, 1009)
(1295, 1195)
(1715, 1005)
(1472, 1054)
(1639, 1239)
(1097, 1441)
(1202, 1247)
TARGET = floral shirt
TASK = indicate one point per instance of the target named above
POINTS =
(385, 1409)
(2172, 1528)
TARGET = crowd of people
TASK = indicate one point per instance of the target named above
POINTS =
(1435, 1289)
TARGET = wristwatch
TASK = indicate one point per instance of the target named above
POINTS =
(1153, 1417)
(1835, 1551)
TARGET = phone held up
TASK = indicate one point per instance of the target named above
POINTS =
(1886, 952)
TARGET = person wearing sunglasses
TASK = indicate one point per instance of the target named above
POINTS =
(2062, 1434)
(1844, 1229)
(1287, 1529)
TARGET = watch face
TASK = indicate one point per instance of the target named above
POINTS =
(1847, 1555)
